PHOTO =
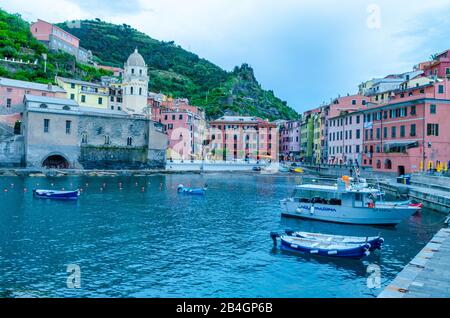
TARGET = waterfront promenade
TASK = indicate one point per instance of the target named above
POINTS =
(427, 275)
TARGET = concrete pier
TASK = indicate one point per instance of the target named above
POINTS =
(427, 275)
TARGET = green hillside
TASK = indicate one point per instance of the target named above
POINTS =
(179, 73)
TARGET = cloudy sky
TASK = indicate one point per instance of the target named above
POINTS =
(307, 51)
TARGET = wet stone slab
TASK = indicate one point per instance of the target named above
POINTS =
(427, 275)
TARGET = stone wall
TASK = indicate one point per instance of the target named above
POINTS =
(12, 152)
(118, 129)
(113, 158)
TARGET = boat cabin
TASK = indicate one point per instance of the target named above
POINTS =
(335, 196)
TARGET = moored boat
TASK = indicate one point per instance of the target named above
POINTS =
(192, 191)
(56, 195)
(375, 242)
(344, 203)
(320, 248)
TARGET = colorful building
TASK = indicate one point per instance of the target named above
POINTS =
(85, 94)
(184, 124)
(234, 138)
(408, 134)
(289, 132)
(56, 38)
(345, 140)
(438, 67)
(307, 137)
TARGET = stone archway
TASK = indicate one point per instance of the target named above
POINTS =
(55, 162)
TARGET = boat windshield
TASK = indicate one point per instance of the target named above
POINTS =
(316, 196)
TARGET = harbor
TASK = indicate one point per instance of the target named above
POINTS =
(138, 237)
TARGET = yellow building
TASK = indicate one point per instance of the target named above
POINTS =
(86, 94)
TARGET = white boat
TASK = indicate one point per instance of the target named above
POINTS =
(346, 204)
(375, 241)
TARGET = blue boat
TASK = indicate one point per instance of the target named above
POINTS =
(56, 195)
(375, 242)
(320, 248)
(192, 191)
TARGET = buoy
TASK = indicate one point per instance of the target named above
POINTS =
(6, 190)
(143, 189)
(25, 190)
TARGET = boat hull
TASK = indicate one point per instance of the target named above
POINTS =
(355, 252)
(385, 216)
(56, 195)
(374, 242)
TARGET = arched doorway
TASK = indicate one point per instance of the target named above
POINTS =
(55, 162)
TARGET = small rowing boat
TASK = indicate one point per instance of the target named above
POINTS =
(192, 191)
(56, 195)
(328, 249)
(375, 242)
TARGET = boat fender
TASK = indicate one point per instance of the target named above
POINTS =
(367, 253)
(314, 252)
(294, 246)
(332, 253)
(312, 210)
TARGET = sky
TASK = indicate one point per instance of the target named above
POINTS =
(306, 51)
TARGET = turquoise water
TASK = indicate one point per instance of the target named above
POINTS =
(142, 239)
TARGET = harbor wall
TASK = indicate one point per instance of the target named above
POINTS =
(12, 151)
(210, 166)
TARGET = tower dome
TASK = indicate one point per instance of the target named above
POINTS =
(136, 59)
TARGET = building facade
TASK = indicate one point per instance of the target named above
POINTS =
(184, 124)
(290, 132)
(56, 38)
(345, 139)
(85, 94)
(408, 134)
(234, 138)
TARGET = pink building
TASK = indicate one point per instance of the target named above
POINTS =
(345, 138)
(12, 93)
(290, 132)
(56, 38)
(439, 67)
(243, 138)
(349, 103)
(185, 126)
(410, 133)
(334, 150)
